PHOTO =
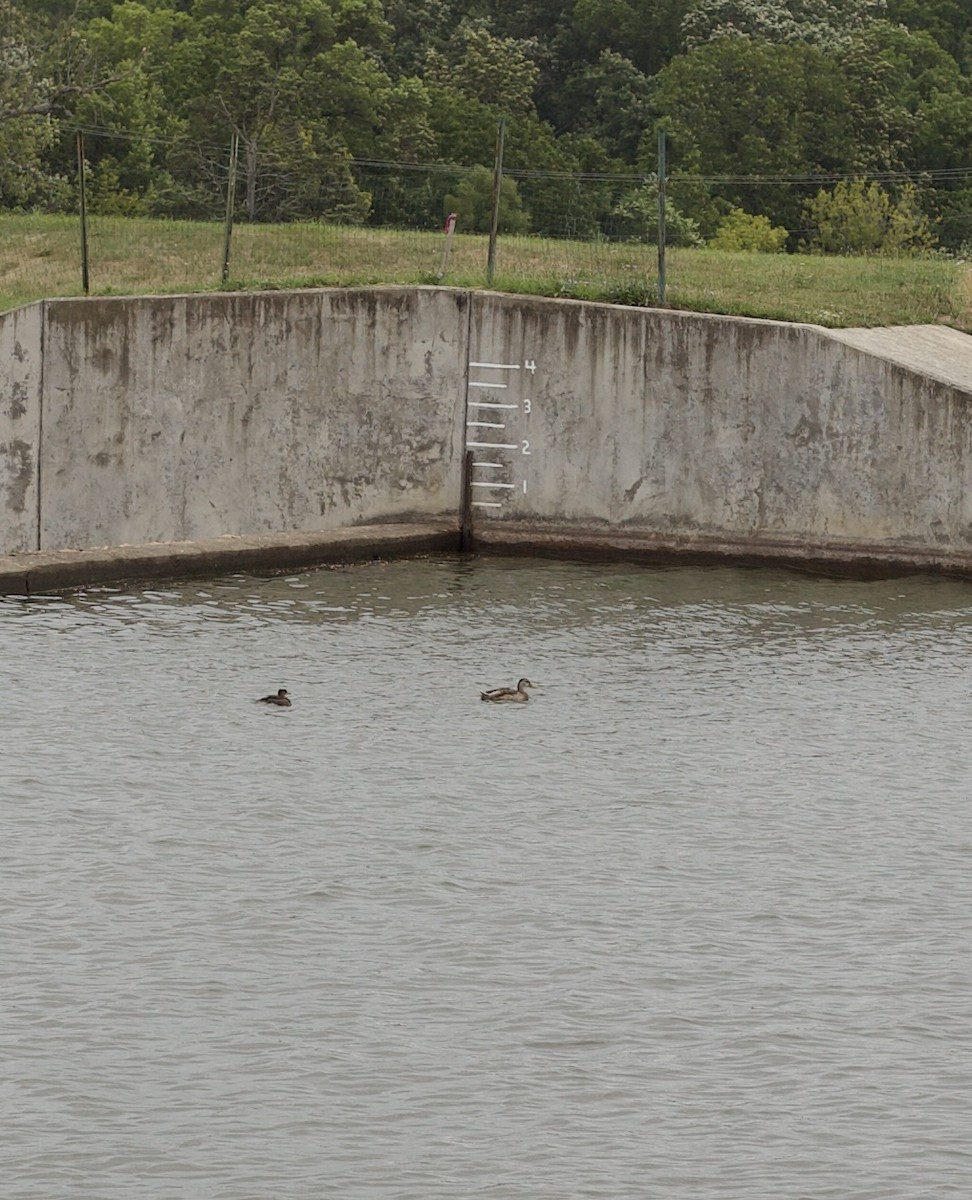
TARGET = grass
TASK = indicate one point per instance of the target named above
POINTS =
(40, 258)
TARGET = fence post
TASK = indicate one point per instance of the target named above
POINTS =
(662, 231)
(230, 203)
(495, 200)
(83, 213)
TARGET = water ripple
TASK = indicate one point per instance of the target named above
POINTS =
(694, 923)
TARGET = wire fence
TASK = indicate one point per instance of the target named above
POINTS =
(260, 219)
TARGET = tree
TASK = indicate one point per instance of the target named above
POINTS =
(27, 128)
(611, 102)
(646, 31)
(750, 115)
(472, 202)
(301, 94)
(46, 70)
(857, 217)
(497, 72)
(635, 219)
(816, 22)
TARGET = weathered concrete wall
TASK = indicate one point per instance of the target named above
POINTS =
(184, 418)
(21, 371)
(707, 427)
(187, 417)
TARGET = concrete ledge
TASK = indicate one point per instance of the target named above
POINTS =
(604, 545)
(62, 570)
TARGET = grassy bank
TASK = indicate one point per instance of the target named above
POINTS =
(40, 257)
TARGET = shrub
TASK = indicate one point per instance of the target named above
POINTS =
(741, 230)
(861, 218)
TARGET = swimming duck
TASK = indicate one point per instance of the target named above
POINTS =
(281, 699)
(515, 695)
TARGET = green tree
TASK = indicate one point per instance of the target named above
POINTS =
(497, 72)
(646, 31)
(27, 127)
(634, 218)
(302, 94)
(612, 100)
(857, 217)
(472, 203)
(817, 22)
(949, 22)
(741, 110)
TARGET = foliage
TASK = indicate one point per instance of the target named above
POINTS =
(472, 202)
(334, 103)
(820, 22)
(856, 217)
(635, 219)
(740, 230)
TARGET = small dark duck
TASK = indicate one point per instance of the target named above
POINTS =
(281, 699)
(515, 695)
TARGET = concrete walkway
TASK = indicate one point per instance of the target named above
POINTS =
(62, 570)
(934, 350)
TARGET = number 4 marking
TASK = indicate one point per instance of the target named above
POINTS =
(530, 365)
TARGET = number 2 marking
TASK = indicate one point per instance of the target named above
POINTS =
(526, 447)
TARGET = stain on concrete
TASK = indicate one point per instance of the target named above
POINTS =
(19, 473)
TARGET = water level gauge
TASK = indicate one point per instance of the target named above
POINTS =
(496, 429)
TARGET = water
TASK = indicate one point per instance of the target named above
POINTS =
(695, 923)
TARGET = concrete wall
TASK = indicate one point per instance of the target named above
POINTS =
(188, 417)
(679, 424)
(20, 390)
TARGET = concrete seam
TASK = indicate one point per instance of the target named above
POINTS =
(40, 417)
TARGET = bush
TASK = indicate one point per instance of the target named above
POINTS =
(861, 218)
(741, 230)
(472, 202)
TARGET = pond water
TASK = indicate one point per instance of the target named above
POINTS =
(694, 923)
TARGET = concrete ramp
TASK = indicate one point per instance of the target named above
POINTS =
(934, 350)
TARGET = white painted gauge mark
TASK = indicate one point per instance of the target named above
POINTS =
(495, 415)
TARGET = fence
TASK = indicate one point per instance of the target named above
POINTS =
(250, 220)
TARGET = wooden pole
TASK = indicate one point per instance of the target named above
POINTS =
(83, 214)
(497, 189)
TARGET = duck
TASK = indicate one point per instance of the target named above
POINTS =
(515, 695)
(282, 699)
